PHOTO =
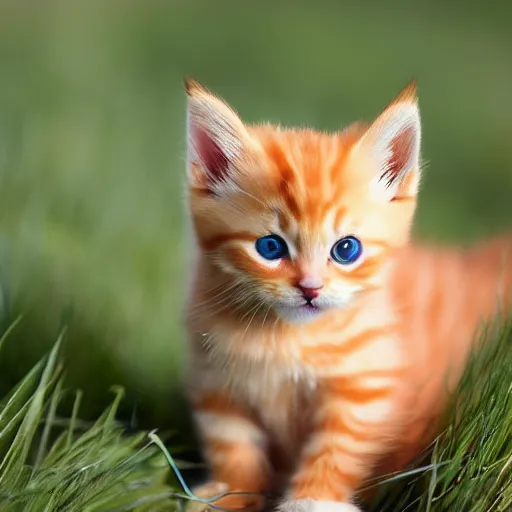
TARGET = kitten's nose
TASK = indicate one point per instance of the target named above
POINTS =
(310, 293)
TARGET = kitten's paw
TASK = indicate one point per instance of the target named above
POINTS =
(308, 505)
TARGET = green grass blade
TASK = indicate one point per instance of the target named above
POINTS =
(9, 330)
(12, 465)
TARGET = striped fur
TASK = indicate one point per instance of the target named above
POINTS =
(313, 404)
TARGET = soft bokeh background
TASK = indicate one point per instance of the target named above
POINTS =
(92, 147)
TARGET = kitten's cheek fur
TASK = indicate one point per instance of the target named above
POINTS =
(308, 505)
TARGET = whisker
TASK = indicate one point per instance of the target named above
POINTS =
(258, 307)
(270, 306)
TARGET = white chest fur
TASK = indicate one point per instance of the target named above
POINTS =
(273, 384)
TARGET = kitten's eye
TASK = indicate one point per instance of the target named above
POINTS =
(271, 247)
(347, 250)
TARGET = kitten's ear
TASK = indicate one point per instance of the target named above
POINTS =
(393, 144)
(215, 138)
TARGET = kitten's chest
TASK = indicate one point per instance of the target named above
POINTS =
(279, 391)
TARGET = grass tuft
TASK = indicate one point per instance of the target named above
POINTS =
(96, 468)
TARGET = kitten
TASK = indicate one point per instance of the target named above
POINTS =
(322, 343)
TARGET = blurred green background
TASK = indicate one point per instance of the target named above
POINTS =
(92, 147)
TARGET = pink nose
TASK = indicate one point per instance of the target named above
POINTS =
(310, 293)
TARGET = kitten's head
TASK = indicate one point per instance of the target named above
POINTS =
(303, 221)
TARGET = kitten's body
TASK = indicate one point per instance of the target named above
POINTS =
(313, 401)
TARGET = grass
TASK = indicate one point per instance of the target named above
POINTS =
(52, 464)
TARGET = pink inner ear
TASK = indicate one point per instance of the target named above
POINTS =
(211, 155)
(402, 147)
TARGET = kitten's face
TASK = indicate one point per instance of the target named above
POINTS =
(302, 222)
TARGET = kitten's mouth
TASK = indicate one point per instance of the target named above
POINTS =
(309, 307)
(299, 313)
(308, 310)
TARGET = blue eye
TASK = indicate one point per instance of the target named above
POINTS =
(347, 250)
(271, 247)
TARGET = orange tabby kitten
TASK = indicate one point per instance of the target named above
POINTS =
(322, 344)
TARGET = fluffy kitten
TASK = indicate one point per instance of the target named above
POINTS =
(321, 343)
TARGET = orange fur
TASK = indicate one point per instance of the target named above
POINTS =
(357, 387)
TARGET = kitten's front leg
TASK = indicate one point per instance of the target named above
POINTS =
(235, 449)
(349, 431)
